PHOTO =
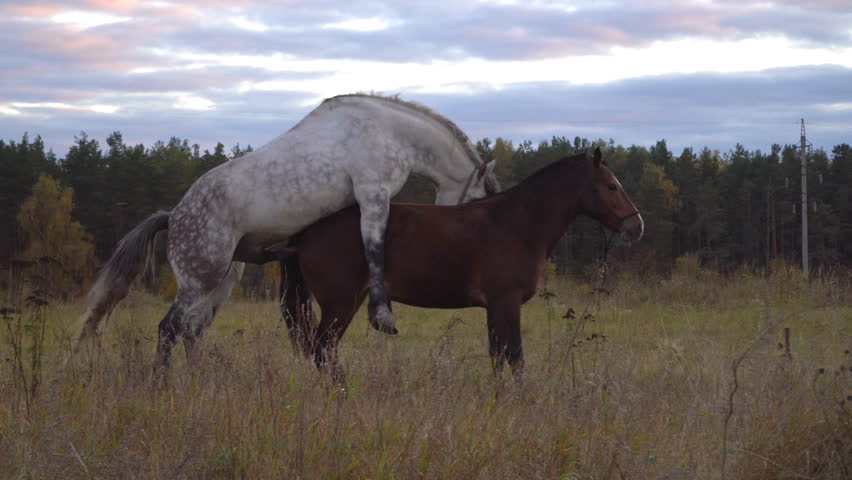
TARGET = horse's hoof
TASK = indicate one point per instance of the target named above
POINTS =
(382, 320)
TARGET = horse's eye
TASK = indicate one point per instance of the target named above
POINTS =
(612, 187)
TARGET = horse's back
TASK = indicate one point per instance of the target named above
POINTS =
(313, 169)
(278, 189)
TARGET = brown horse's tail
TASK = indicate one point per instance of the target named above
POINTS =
(134, 253)
(296, 306)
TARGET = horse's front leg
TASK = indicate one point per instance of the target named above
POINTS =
(375, 205)
(204, 311)
(335, 320)
(504, 337)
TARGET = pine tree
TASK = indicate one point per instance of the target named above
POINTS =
(20, 166)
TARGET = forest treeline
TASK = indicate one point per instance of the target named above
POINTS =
(725, 209)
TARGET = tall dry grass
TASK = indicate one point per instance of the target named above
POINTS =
(641, 389)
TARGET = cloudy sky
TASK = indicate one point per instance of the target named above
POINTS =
(696, 73)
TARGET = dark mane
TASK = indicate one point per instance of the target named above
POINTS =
(457, 132)
(544, 172)
(492, 186)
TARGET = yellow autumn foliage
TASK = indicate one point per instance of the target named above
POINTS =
(60, 249)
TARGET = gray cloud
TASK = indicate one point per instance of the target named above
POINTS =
(44, 62)
(423, 31)
(73, 85)
(252, 118)
(714, 110)
(436, 30)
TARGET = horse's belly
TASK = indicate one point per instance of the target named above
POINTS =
(434, 301)
(430, 290)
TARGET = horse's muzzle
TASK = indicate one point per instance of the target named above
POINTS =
(633, 227)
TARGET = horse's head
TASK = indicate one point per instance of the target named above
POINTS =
(480, 182)
(607, 202)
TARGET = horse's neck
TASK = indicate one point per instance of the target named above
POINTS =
(545, 204)
(447, 162)
(447, 157)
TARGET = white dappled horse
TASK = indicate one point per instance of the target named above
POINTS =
(350, 149)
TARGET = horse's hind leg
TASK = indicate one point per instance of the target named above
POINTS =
(174, 325)
(196, 325)
(171, 326)
(375, 206)
(296, 307)
(204, 312)
(331, 328)
(204, 281)
(189, 316)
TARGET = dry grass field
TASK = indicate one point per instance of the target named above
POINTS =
(643, 389)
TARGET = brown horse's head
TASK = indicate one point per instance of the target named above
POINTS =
(607, 202)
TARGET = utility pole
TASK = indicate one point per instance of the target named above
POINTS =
(804, 202)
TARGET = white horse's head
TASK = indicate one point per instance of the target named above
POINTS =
(478, 183)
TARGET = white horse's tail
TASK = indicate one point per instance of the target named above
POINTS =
(134, 253)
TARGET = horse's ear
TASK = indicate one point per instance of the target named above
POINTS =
(486, 167)
(598, 157)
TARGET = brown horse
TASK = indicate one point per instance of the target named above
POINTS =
(487, 253)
